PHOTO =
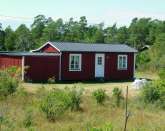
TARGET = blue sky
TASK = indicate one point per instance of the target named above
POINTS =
(15, 12)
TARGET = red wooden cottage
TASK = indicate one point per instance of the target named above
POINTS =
(74, 61)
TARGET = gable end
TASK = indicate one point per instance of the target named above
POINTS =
(47, 48)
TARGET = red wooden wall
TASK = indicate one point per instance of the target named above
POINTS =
(88, 67)
(111, 71)
(49, 49)
(41, 68)
(8, 61)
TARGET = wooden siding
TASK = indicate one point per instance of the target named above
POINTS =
(41, 68)
(9, 61)
(49, 49)
(88, 67)
(111, 71)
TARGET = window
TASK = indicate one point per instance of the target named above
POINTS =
(75, 62)
(99, 60)
(122, 62)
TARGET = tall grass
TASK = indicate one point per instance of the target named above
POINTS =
(93, 116)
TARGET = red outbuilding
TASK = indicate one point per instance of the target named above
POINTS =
(73, 61)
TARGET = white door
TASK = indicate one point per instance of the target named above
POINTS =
(99, 65)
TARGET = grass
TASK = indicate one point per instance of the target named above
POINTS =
(142, 118)
(147, 75)
(89, 87)
(92, 114)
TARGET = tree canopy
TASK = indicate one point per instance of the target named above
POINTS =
(141, 32)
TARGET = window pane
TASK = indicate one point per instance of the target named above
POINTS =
(75, 60)
(76, 66)
(72, 66)
(122, 62)
(99, 60)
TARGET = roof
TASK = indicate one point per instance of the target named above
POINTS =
(13, 53)
(84, 47)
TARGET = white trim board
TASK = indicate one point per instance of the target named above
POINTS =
(60, 67)
(23, 67)
(134, 64)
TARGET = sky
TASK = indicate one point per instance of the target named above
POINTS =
(16, 12)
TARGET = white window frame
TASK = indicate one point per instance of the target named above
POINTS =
(70, 55)
(122, 68)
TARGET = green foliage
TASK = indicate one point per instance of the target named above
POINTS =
(10, 39)
(55, 104)
(8, 82)
(75, 95)
(24, 41)
(153, 92)
(2, 38)
(142, 59)
(162, 73)
(117, 96)
(99, 96)
(139, 34)
(28, 120)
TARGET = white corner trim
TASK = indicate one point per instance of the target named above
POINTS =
(23, 67)
(126, 62)
(44, 46)
(80, 61)
(60, 67)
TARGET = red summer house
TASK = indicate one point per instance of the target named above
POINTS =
(73, 61)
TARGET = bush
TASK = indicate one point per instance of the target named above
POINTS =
(75, 98)
(55, 104)
(8, 82)
(117, 96)
(153, 92)
(99, 95)
(142, 59)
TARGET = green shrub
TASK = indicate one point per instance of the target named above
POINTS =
(8, 82)
(117, 96)
(150, 93)
(75, 95)
(99, 95)
(153, 92)
(55, 104)
(142, 59)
